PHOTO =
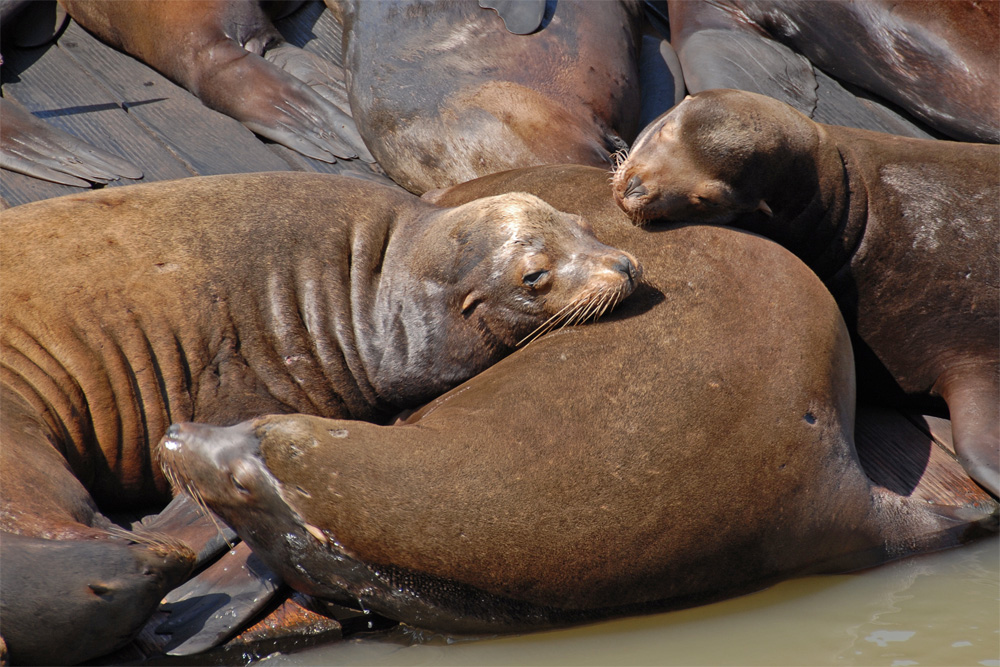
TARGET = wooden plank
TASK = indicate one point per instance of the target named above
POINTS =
(314, 29)
(906, 460)
(54, 88)
(936, 427)
(206, 141)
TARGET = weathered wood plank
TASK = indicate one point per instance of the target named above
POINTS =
(907, 460)
(206, 141)
(54, 88)
(936, 427)
(314, 29)
(51, 86)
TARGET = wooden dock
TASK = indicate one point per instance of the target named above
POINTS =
(120, 105)
(117, 103)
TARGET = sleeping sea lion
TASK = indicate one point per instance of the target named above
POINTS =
(903, 231)
(229, 54)
(220, 298)
(694, 445)
(442, 93)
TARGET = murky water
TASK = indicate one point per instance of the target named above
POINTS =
(937, 609)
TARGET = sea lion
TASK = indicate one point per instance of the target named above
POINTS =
(229, 54)
(220, 298)
(442, 93)
(903, 231)
(694, 445)
(66, 602)
(905, 65)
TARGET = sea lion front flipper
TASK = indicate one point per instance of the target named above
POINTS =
(324, 78)
(32, 147)
(973, 400)
(182, 519)
(520, 17)
(730, 59)
(269, 101)
(210, 607)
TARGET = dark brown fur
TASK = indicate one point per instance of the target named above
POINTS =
(903, 231)
(695, 445)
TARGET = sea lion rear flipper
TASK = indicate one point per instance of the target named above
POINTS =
(32, 147)
(520, 17)
(212, 606)
(270, 101)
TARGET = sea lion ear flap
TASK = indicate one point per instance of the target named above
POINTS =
(764, 208)
(469, 303)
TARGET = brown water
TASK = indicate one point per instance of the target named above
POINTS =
(937, 609)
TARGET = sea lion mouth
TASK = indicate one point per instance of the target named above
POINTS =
(631, 193)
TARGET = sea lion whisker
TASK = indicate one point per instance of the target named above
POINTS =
(545, 326)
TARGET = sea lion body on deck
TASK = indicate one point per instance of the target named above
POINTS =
(903, 231)
(696, 444)
(442, 93)
(229, 54)
(225, 297)
(938, 62)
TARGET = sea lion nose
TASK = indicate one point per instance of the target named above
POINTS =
(627, 266)
(635, 188)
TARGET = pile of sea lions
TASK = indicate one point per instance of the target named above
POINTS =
(384, 395)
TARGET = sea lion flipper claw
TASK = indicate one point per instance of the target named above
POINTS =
(208, 608)
(32, 147)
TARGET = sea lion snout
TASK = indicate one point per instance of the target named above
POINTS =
(634, 188)
(629, 267)
(221, 462)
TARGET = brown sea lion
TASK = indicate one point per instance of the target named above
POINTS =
(229, 54)
(66, 602)
(442, 93)
(903, 231)
(220, 298)
(694, 445)
(938, 61)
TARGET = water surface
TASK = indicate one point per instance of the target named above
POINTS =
(937, 609)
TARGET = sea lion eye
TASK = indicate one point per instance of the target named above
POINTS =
(239, 487)
(532, 279)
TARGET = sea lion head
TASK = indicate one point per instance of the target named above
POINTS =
(224, 468)
(520, 264)
(477, 280)
(714, 157)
